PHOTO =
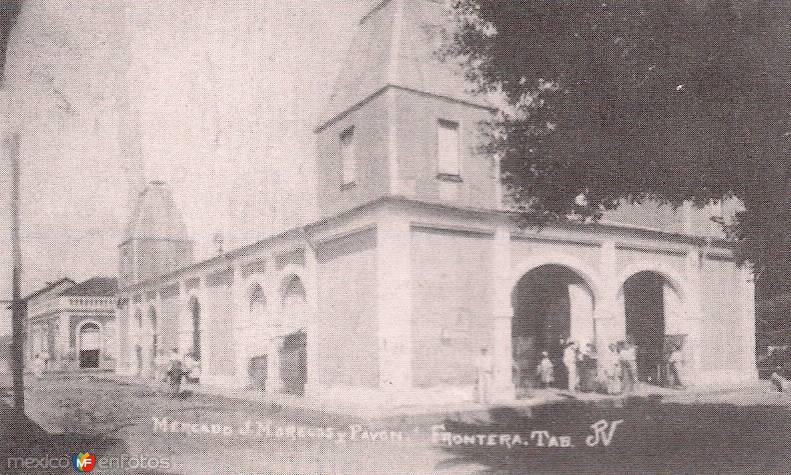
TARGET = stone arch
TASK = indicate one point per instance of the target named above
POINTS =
(138, 320)
(256, 296)
(652, 302)
(552, 300)
(573, 263)
(672, 276)
(294, 313)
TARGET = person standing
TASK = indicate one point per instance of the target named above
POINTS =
(38, 366)
(570, 358)
(484, 370)
(545, 370)
(613, 370)
(628, 360)
(175, 373)
(673, 362)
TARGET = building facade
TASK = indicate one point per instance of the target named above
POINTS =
(415, 264)
(71, 326)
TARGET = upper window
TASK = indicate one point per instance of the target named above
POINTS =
(448, 148)
(348, 164)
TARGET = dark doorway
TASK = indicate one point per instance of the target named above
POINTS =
(542, 321)
(152, 317)
(89, 358)
(139, 358)
(90, 345)
(257, 372)
(645, 322)
(293, 363)
(195, 310)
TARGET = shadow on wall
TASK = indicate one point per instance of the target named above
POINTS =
(653, 438)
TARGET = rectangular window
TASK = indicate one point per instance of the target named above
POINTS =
(448, 148)
(348, 164)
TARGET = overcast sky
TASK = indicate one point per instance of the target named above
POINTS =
(215, 97)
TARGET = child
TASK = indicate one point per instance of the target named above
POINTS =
(545, 370)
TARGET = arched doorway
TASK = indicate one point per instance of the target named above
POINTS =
(90, 345)
(293, 354)
(552, 304)
(648, 300)
(138, 347)
(257, 366)
(152, 319)
(194, 306)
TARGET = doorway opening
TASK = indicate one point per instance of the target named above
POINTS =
(644, 307)
(551, 303)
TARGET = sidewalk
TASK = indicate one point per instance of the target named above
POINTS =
(378, 409)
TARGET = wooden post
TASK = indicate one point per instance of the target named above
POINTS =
(17, 304)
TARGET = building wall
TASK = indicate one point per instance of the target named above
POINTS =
(169, 322)
(416, 137)
(452, 310)
(412, 119)
(370, 151)
(721, 348)
(217, 336)
(348, 344)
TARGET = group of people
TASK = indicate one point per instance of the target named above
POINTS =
(177, 370)
(581, 365)
(619, 375)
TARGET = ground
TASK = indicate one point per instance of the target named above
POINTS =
(736, 431)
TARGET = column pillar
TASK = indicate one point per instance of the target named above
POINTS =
(312, 386)
(608, 319)
(203, 297)
(185, 320)
(694, 312)
(503, 313)
(274, 384)
(161, 356)
(394, 275)
(63, 338)
(240, 307)
(581, 314)
(747, 323)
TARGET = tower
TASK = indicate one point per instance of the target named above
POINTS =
(156, 240)
(401, 122)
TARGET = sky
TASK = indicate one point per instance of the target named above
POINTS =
(217, 98)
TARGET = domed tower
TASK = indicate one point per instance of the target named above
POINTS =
(156, 240)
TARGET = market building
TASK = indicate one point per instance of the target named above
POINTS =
(415, 263)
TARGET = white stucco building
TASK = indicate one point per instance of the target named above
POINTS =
(72, 326)
(414, 264)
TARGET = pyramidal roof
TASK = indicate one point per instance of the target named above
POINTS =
(396, 45)
(156, 216)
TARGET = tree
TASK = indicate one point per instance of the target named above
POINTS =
(630, 100)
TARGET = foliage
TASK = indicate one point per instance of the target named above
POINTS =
(628, 100)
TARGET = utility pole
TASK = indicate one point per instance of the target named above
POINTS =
(9, 10)
(17, 304)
